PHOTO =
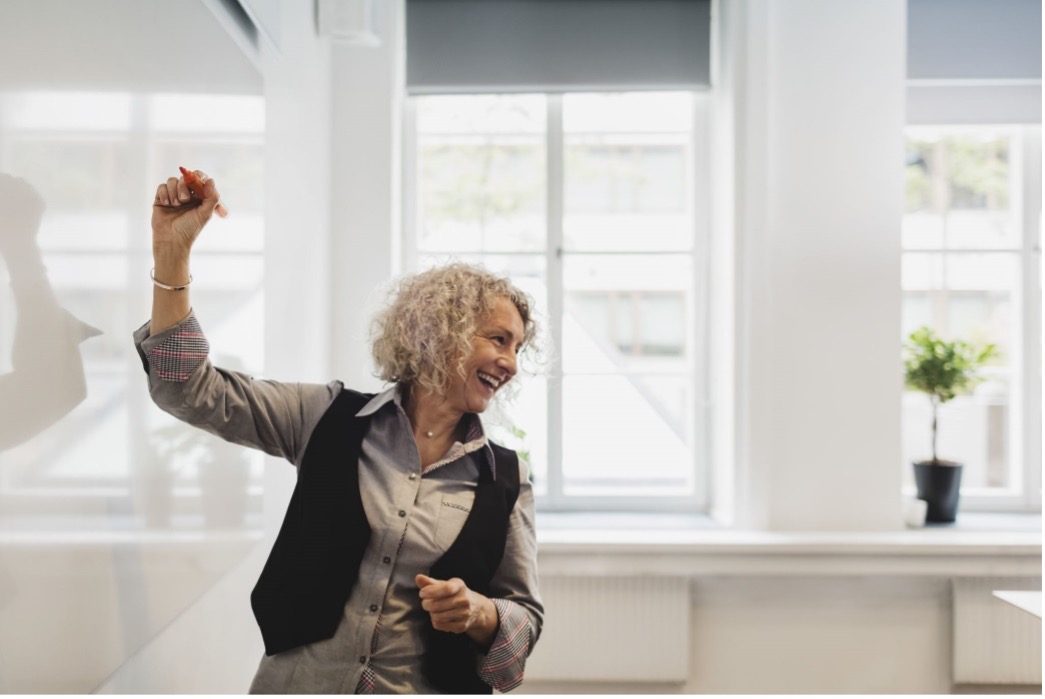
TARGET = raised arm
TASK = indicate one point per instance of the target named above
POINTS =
(272, 416)
(182, 207)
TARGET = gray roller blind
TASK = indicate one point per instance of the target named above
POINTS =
(973, 39)
(461, 46)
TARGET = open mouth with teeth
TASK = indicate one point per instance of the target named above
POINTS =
(491, 383)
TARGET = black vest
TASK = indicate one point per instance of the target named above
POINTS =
(314, 563)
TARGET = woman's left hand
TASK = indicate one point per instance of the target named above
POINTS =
(456, 609)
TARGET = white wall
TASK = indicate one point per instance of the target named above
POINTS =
(368, 88)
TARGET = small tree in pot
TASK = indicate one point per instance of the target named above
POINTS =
(943, 370)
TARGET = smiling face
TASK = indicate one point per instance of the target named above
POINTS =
(492, 363)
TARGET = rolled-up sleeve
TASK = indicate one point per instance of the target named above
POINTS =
(514, 593)
(274, 417)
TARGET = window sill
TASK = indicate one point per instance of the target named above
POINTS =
(979, 544)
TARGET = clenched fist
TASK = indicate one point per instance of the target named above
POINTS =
(456, 609)
(182, 207)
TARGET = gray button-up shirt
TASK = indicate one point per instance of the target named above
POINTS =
(414, 515)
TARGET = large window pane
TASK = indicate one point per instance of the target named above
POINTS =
(973, 430)
(481, 173)
(627, 313)
(960, 189)
(627, 435)
(628, 172)
(970, 297)
(623, 333)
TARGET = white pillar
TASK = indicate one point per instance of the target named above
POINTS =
(818, 124)
(297, 198)
(368, 89)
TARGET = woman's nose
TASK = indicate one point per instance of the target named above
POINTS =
(508, 363)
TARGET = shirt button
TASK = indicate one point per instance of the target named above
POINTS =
(373, 608)
(412, 476)
(402, 513)
(362, 659)
(386, 559)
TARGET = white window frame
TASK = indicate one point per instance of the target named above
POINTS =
(555, 253)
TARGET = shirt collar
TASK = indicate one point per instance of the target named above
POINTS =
(379, 401)
(475, 430)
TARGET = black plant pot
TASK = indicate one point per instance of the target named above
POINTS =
(939, 483)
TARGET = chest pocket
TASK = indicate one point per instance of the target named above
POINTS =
(452, 514)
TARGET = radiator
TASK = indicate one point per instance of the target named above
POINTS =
(613, 629)
(994, 642)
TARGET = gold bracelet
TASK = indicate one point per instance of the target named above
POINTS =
(152, 275)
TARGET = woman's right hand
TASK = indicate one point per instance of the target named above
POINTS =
(181, 209)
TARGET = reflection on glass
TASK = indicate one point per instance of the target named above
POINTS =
(46, 380)
(182, 114)
(77, 174)
(627, 435)
(42, 111)
(108, 483)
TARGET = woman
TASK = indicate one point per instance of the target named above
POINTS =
(407, 559)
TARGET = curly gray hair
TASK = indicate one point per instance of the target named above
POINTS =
(425, 332)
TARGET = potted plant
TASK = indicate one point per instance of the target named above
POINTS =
(942, 370)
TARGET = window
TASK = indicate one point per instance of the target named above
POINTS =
(971, 270)
(95, 159)
(590, 203)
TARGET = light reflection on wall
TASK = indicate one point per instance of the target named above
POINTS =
(114, 517)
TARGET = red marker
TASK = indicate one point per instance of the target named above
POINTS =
(193, 180)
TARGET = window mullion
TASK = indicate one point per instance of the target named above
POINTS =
(554, 212)
(1030, 141)
(699, 315)
(411, 189)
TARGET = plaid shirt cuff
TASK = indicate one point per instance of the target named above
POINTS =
(503, 665)
(177, 357)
